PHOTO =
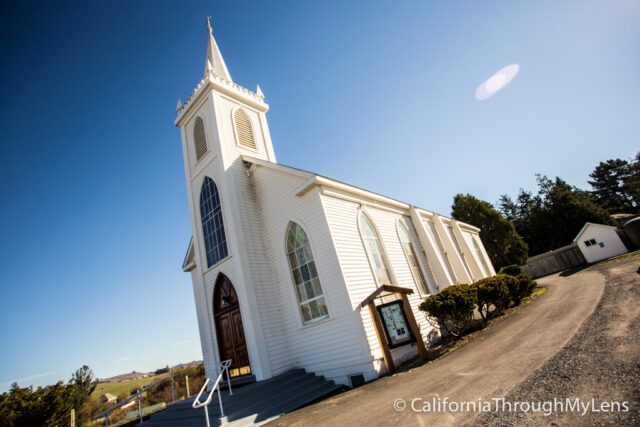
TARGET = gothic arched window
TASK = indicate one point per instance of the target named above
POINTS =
(313, 306)
(412, 258)
(374, 250)
(215, 241)
(244, 129)
(199, 138)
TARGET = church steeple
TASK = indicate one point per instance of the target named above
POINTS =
(214, 61)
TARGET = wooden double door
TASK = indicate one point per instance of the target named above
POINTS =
(229, 330)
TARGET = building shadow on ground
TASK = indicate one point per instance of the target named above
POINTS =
(574, 270)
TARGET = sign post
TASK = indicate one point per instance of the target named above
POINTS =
(394, 323)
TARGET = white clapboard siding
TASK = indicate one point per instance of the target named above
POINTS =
(251, 227)
(329, 346)
(342, 216)
(386, 223)
(199, 295)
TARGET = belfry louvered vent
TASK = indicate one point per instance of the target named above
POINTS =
(199, 138)
(244, 129)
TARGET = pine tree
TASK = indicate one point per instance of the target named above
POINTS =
(616, 185)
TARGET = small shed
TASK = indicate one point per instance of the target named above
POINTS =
(599, 241)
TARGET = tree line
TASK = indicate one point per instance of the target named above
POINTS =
(534, 223)
(50, 405)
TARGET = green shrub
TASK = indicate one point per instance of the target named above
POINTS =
(493, 292)
(511, 270)
(452, 307)
(522, 288)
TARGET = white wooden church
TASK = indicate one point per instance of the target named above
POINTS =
(281, 258)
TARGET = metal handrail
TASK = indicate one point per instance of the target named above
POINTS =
(221, 368)
(137, 395)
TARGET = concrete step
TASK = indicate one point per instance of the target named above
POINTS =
(311, 393)
(240, 381)
(253, 404)
(258, 398)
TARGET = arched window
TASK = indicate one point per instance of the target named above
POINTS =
(199, 138)
(373, 247)
(305, 275)
(215, 241)
(412, 259)
(244, 129)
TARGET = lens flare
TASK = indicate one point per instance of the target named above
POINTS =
(496, 82)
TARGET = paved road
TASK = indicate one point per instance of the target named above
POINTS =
(600, 362)
(489, 366)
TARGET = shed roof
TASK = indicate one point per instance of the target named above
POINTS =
(587, 224)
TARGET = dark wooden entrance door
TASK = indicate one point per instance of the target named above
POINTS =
(229, 330)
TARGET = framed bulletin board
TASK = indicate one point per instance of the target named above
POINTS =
(396, 326)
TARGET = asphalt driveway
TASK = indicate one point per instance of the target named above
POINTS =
(490, 366)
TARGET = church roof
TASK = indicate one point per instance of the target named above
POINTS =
(314, 179)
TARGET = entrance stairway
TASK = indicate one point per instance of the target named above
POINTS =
(253, 404)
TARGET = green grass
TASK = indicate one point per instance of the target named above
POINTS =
(536, 293)
(116, 388)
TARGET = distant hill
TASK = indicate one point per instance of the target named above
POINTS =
(126, 377)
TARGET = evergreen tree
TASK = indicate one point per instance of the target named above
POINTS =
(615, 185)
(84, 378)
(553, 217)
(47, 406)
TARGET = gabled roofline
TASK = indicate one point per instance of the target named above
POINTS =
(586, 224)
(189, 262)
(277, 166)
(313, 180)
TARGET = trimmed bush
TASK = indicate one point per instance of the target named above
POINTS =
(511, 270)
(494, 292)
(522, 288)
(452, 307)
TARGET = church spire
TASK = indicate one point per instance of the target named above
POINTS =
(214, 58)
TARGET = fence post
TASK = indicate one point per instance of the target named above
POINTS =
(173, 396)
(73, 417)
(140, 407)
(186, 377)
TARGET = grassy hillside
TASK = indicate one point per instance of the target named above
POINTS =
(116, 388)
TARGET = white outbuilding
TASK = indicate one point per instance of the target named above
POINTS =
(283, 259)
(599, 241)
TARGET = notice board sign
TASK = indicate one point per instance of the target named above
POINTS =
(396, 326)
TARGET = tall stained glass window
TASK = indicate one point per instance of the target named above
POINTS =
(215, 241)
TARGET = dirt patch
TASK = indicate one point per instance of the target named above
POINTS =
(601, 362)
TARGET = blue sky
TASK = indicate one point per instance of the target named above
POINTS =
(94, 220)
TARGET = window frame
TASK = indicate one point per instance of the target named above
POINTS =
(222, 219)
(294, 286)
(422, 292)
(385, 258)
